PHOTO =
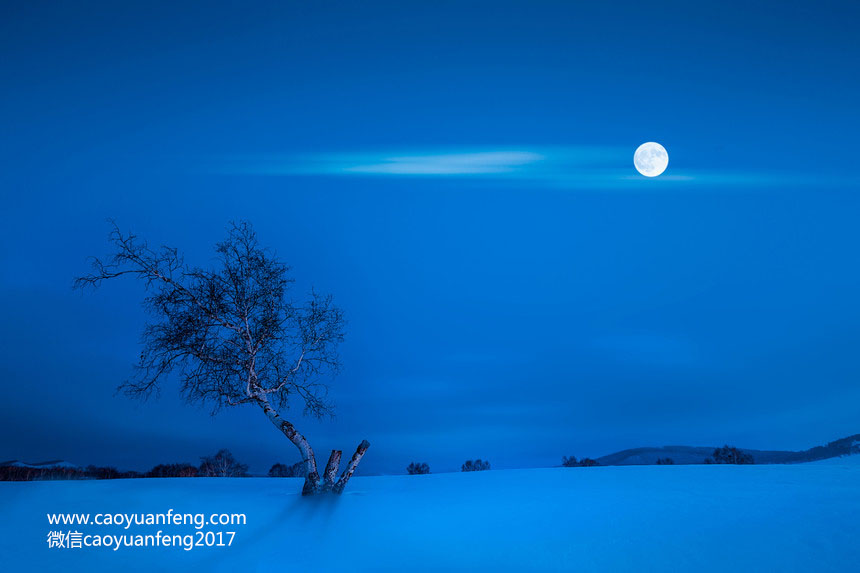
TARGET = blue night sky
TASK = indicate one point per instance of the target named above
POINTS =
(459, 176)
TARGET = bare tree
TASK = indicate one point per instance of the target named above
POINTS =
(222, 464)
(233, 335)
(730, 455)
(475, 466)
(417, 468)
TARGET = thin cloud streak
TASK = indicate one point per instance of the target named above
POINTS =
(451, 162)
(484, 163)
(581, 167)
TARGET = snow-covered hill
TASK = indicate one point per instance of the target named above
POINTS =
(697, 455)
(38, 465)
(849, 460)
(634, 518)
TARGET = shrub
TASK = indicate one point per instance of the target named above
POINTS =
(17, 473)
(101, 473)
(49, 472)
(572, 462)
(172, 470)
(298, 469)
(475, 466)
(222, 464)
(665, 462)
(418, 468)
(57, 473)
(729, 455)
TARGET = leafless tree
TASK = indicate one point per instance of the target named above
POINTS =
(222, 464)
(417, 468)
(233, 335)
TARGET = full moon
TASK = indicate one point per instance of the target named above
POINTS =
(651, 159)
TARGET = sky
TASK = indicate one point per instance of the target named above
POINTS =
(459, 177)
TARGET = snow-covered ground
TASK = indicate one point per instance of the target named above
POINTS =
(802, 517)
(840, 461)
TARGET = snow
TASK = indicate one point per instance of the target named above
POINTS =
(853, 459)
(800, 517)
(39, 465)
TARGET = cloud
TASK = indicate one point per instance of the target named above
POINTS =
(483, 163)
(570, 167)
(532, 163)
(432, 163)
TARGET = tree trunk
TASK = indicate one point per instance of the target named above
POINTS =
(350, 469)
(312, 477)
(330, 472)
(312, 483)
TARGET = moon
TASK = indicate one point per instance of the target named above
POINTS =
(651, 159)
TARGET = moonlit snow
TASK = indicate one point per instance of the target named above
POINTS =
(636, 518)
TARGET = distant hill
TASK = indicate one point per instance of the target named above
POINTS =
(38, 465)
(697, 455)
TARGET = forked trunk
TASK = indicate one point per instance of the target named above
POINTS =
(350, 469)
(330, 472)
(313, 484)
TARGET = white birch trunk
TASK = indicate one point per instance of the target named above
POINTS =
(312, 477)
(330, 472)
(350, 469)
(313, 483)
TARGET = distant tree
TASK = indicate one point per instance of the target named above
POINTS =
(173, 470)
(285, 471)
(572, 462)
(665, 462)
(222, 464)
(416, 468)
(234, 336)
(729, 455)
(97, 472)
(53, 472)
(57, 472)
(475, 466)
